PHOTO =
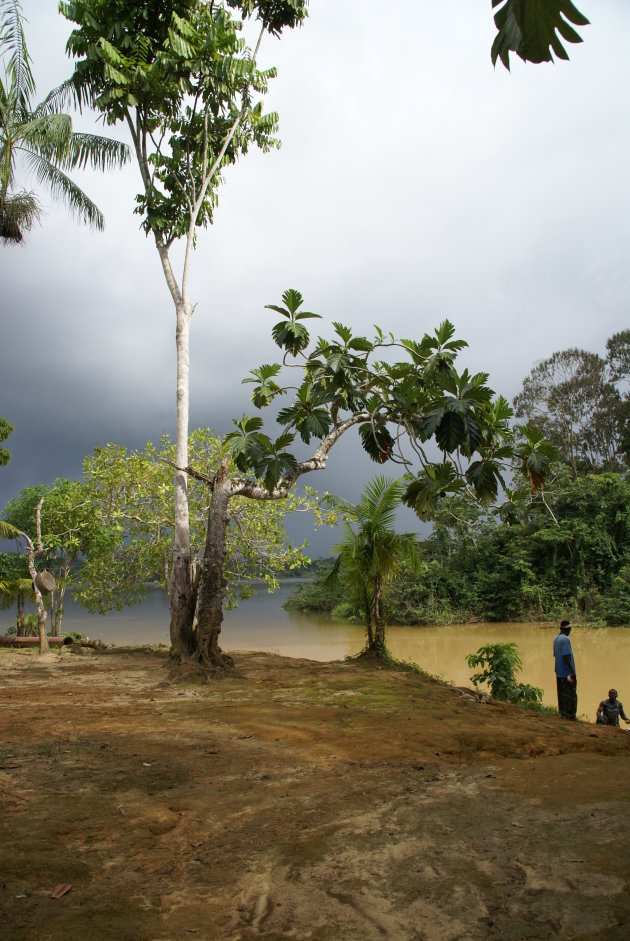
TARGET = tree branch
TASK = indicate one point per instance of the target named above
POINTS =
(209, 174)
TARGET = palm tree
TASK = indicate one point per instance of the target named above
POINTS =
(14, 583)
(13, 590)
(42, 135)
(373, 553)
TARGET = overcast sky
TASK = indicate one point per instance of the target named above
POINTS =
(414, 183)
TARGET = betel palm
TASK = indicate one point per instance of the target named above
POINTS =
(41, 137)
(373, 553)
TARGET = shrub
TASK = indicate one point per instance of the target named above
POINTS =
(500, 663)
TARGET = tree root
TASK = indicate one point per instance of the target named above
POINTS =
(217, 666)
(374, 654)
(198, 664)
(196, 671)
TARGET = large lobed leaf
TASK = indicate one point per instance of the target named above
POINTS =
(530, 28)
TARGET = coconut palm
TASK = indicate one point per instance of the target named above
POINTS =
(42, 136)
(14, 590)
(373, 553)
(15, 582)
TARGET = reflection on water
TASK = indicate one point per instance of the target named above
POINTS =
(260, 623)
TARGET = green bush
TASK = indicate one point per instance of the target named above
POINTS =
(313, 596)
(500, 663)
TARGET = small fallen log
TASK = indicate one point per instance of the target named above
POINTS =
(10, 640)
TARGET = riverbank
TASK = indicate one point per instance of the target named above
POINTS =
(299, 800)
(261, 623)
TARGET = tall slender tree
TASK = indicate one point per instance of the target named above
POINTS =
(180, 76)
(42, 136)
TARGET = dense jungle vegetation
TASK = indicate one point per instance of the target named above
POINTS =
(481, 566)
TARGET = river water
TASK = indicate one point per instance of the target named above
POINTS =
(260, 623)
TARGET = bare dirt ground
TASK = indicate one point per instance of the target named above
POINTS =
(301, 800)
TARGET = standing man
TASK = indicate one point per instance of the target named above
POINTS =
(566, 680)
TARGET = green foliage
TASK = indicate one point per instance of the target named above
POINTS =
(522, 562)
(43, 136)
(13, 565)
(5, 430)
(372, 553)
(181, 76)
(580, 403)
(499, 663)
(67, 521)
(417, 398)
(131, 495)
(318, 596)
(564, 552)
(76, 636)
(68, 526)
(293, 335)
(536, 453)
(30, 625)
(251, 449)
(530, 28)
(15, 580)
(20, 510)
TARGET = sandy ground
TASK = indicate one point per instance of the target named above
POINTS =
(299, 800)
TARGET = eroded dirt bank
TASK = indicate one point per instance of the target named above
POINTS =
(300, 800)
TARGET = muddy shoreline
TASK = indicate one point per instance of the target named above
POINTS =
(299, 800)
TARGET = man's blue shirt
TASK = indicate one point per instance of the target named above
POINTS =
(561, 646)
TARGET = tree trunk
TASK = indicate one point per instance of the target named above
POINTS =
(41, 610)
(181, 593)
(182, 605)
(21, 627)
(212, 582)
(53, 615)
(379, 628)
(368, 618)
(59, 612)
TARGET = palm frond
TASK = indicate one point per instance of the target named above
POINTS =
(379, 501)
(4, 101)
(18, 67)
(7, 531)
(101, 153)
(49, 134)
(59, 98)
(64, 190)
(44, 135)
(11, 588)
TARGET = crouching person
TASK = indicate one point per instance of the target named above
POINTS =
(609, 710)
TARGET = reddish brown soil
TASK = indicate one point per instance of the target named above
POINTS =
(300, 800)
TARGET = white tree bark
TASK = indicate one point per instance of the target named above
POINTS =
(32, 551)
